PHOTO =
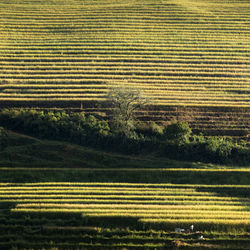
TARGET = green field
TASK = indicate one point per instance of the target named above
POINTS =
(191, 57)
(55, 195)
(116, 215)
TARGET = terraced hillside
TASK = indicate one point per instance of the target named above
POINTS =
(118, 215)
(181, 53)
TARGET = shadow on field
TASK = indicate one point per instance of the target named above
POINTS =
(241, 194)
(26, 175)
(38, 230)
(74, 230)
(237, 192)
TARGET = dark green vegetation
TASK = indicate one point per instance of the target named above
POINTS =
(54, 161)
(56, 195)
(175, 141)
(71, 180)
(73, 197)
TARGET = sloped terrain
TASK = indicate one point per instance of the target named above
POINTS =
(118, 215)
(55, 195)
(180, 53)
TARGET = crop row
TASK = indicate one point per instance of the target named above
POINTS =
(99, 88)
(150, 31)
(109, 43)
(158, 101)
(152, 38)
(151, 216)
(217, 94)
(129, 199)
(124, 184)
(99, 59)
(152, 15)
(158, 205)
(168, 72)
(157, 97)
(83, 24)
(137, 11)
(177, 205)
(128, 51)
(84, 21)
(87, 88)
(78, 68)
(187, 212)
(113, 77)
(124, 70)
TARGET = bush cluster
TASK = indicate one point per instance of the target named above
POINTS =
(175, 141)
(73, 127)
(182, 144)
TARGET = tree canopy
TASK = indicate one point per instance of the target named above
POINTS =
(125, 101)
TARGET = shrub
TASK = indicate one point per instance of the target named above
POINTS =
(150, 129)
(219, 148)
(75, 127)
(178, 132)
(92, 131)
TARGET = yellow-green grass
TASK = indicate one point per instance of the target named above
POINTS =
(150, 204)
(179, 205)
(184, 45)
(132, 215)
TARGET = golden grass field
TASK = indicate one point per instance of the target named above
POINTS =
(103, 211)
(192, 55)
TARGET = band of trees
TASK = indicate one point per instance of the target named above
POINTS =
(123, 133)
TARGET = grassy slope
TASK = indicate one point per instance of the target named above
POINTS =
(179, 52)
(40, 164)
(33, 160)
(160, 38)
(31, 152)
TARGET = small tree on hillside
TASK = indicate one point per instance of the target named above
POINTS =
(125, 101)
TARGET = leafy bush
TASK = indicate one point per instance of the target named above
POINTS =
(178, 132)
(219, 148)
(91, 131)
(75, 127)
(208, 149)
(150, 129)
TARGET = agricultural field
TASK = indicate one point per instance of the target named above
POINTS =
(190, 57)
(56, 195)
(84, 215)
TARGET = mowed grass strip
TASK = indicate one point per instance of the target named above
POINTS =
(178, 209)
(124, 204)
(131, 199)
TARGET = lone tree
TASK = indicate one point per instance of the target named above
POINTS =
(125, 100)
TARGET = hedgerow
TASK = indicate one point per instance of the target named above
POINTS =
(176, 141)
